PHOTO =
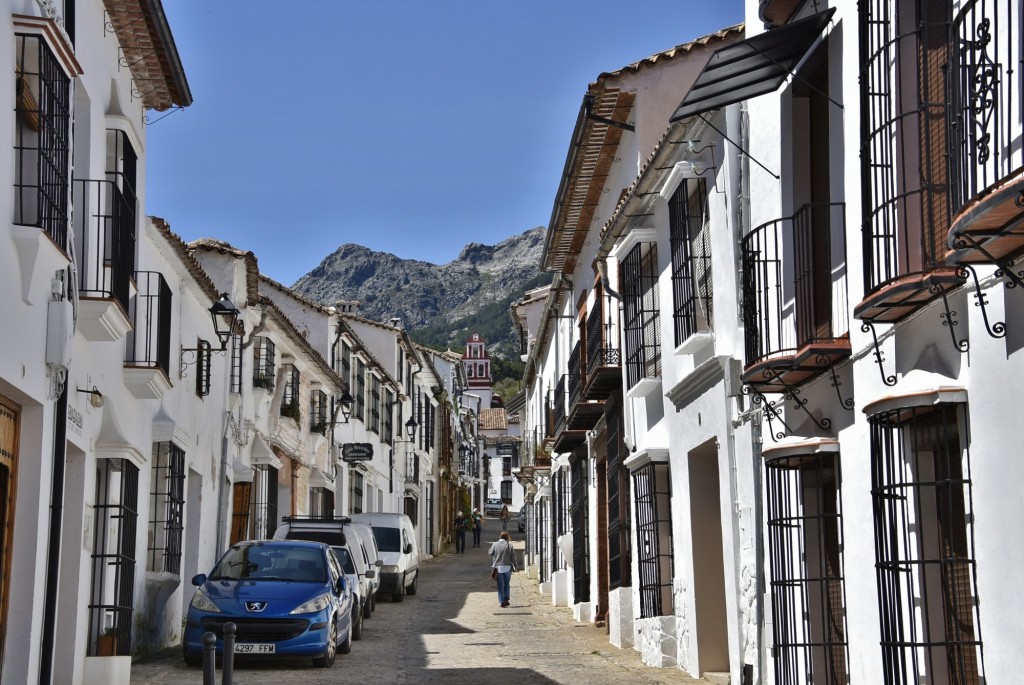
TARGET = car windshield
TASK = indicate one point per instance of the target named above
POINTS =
(387, 539)
(277, 562)
(346, 560)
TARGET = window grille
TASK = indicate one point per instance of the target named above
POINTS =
(619, 558)
(167, 505)
(431, 427)
(374, 425)
(652, 490)
(241, 500)
(122, 164)
(690, 237)
(148, 343)
(346, 363)
(904, 147)
(428, 509)
(387, 428)
(112, 597)
(203, 358)
(359, 394)
(506, 491)
(318, 412)
(263, 372)
(42, 165)
(236, 365)
(264, 502)
(506, 466)
(924, 546)
(542, 548)
(578, 513)
(641, 310)
(805, 543)
(356, 503)
(321, 503)
(290, 394)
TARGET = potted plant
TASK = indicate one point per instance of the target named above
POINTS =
(292, 411)
(106, 643)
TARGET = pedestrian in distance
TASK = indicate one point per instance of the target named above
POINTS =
(503, 560)
(504, 516)
(461, 522)
(478, 526)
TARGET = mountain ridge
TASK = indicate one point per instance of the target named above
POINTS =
(437, 303)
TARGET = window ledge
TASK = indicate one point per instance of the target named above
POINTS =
(645, 457)
(645, 387)
(695, 343)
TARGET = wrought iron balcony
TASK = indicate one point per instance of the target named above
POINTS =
(148, 344)
(604, 362)
(794, 297)
(905, 167)
(986, 133)
(105, 240)
(565, 437)
(583, 414)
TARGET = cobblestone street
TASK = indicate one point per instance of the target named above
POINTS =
(453, 632)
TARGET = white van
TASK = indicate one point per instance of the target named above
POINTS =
(364, 534)
(396, 544)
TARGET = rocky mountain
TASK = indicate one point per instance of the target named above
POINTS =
(438, 304)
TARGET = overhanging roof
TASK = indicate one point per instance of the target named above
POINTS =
(752, 67)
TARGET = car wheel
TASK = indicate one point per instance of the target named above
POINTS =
(346, 646)
(399, 595)
(357, 624)
(327, 660)
(412, 588)
(373, 602)
(368, 606)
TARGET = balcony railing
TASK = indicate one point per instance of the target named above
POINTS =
(794, 296)
(604, 362)
(575, 376)
(105, 237)
(986, 129)
(149, 342)
(560, 405)
(905, 164)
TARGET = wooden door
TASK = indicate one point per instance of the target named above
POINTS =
(9, 415)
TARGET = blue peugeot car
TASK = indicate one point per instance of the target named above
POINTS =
(285, 597)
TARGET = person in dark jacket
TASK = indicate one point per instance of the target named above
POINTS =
(503, 559)
(461, 523)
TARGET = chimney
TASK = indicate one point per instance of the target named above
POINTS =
(396, 322)
(346, 306)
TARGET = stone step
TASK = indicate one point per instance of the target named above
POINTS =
(716, 678)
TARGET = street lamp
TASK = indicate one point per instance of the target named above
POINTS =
(410, 428)
(346, 407)
(225, 316)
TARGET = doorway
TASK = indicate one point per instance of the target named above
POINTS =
(9, 416)
(708, 565)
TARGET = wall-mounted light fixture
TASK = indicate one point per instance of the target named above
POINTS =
(225, 317)
(96, 397)
(410, 428)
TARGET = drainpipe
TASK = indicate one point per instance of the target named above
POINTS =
(60, 423)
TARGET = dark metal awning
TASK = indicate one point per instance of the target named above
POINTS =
(752, 67)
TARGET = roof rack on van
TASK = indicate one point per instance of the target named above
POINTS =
(318, 519)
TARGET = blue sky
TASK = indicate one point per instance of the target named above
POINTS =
(408, 127)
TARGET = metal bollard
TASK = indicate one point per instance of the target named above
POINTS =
(209, 658)
(228, 666)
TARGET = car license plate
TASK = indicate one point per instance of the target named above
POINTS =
(254, 648)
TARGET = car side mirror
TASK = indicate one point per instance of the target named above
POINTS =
(341, 585)
(369, 573)
(199, 579)
(408, 548)
(378, 563)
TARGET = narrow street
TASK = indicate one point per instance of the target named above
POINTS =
(453, 633)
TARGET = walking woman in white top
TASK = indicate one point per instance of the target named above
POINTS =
(504, 561)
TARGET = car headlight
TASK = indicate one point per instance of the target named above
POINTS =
(389, 569)
(314, 605)
(203, 603)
